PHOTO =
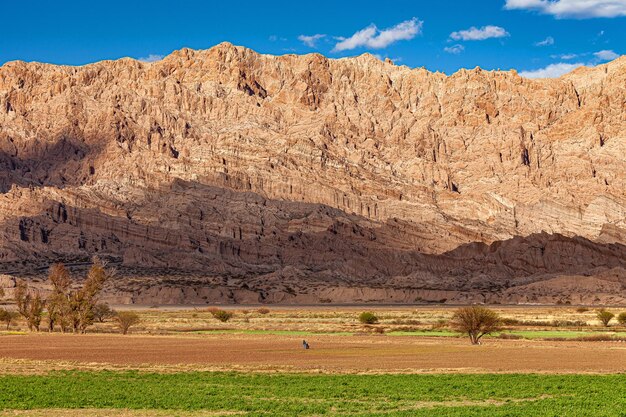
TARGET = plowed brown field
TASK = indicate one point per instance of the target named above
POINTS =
(327, 354)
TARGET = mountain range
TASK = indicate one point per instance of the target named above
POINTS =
(228, 176)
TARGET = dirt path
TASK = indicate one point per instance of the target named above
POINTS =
(327, 354)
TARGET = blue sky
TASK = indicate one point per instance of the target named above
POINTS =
(551, 36)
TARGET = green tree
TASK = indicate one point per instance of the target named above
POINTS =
(621, 318)
(476, 322)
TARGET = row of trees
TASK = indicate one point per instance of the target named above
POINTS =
(605, 317)
(69, 307)
(478, 321)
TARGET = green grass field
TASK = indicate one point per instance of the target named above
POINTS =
(313, 395)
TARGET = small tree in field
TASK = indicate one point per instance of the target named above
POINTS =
(125, 320)
(30, 305)
(368, 318)
(621, 319)
(475, 321)
(35, 312)
(605, 317)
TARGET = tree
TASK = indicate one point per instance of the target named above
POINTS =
(74, 308)
(7, 317)
(85, 299)
(125, 320)
(30, 305)
(621, 319)
(368, 318)
(605, 317)
(22, 298)
(102, 311)
(35, 311)
(59, 299)
(475, 321)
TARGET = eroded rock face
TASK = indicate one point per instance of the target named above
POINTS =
(226, 175)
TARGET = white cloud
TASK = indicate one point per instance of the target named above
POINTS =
(576, 9)
(311, 41)
(372, 37)
(565, 56)
(551, 71)
(454, 49)
(151, 58)
(606, 55)
(546, 42)
(479, 34)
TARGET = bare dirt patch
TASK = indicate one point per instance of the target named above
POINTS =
(360, 354)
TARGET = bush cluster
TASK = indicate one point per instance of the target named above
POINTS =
(368, 318)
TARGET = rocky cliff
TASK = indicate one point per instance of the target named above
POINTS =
(226, 175)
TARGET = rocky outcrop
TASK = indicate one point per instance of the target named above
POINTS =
(233, 176)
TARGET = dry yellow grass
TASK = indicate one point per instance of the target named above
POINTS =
(328, 319)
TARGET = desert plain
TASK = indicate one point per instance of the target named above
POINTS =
(548, 350)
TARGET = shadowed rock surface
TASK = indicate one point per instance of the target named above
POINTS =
(229, 176)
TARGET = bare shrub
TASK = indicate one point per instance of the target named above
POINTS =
(263, 311)
(582, 309)
(476, 322)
